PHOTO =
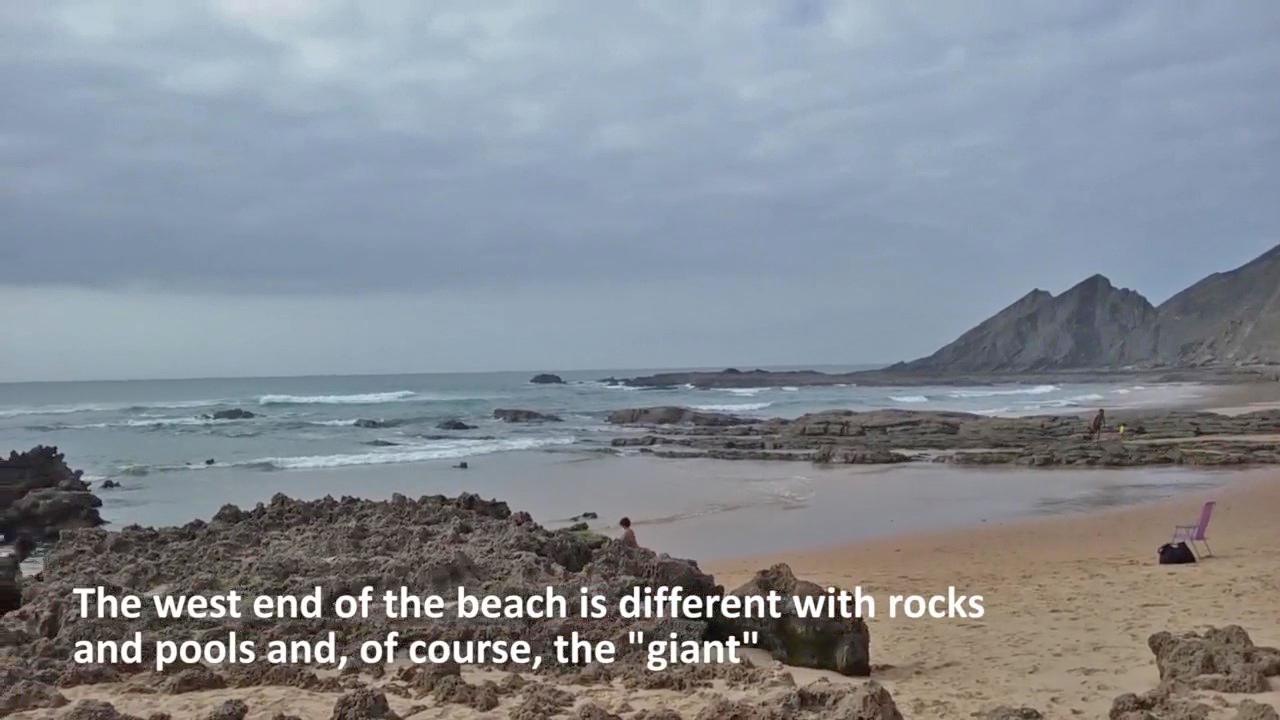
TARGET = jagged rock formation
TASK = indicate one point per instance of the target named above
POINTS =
(40, 495)
(1223, 660)
(430, 545)
(1228, 318)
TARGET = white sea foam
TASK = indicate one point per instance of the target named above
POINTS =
(1074, 401)
(745, 392)
(336, 423)
(733, 407)
(442, 450)
(147, 422)
(1036, 390)
(790, 388)
(909, 398)
(359, 399)
(108, 407)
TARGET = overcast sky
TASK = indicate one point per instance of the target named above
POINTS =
(242, 187)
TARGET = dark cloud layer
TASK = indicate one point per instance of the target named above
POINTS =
(320, 147)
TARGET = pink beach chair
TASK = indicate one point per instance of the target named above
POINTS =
(1196, 533)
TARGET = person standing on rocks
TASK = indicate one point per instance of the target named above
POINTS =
(628, 535)
(1095, 427)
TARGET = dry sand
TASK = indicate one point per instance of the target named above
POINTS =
(1070, 601)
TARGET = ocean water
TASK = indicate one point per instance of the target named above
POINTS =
(154, 439)
(159, 427)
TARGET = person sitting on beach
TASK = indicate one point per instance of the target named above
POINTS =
(628, 535)
(1095, 427)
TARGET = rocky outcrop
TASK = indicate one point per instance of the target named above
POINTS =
(454, 424)
(232, 414)
(19, 694)
(820, 700)
(522, 416)
(670, 415)
(839, 644)
(894, 436)
(1221, 660)
(373, 424)
(433, 544)
(11, 574)
(366, 704)
(546, 379)
(40, 495)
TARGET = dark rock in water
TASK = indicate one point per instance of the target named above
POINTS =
(461, 466)
(579, 527)
(210, 461)
(381, 443)
(519, 416)
(585, 516)
(842, 645)
(546, 379)
(454, 424)
(40, 495)
(670, 415)
(375, 424)
(109, 484)
(233, 414)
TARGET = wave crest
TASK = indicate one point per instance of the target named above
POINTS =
(1036, 390)
(732, 407)
(358, 399)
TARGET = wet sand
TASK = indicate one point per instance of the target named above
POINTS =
(697, 508)
(1070, 600)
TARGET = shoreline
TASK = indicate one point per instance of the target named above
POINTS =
(1070, 600)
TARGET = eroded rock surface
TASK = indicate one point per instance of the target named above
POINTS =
(40, 495)
(893, 436)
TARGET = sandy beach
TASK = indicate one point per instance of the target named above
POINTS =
(1070, 601)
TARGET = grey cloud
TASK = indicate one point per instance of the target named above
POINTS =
(322, 146)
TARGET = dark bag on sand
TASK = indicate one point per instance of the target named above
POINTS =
(1176, 554)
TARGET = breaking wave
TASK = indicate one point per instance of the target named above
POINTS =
(1036, 390)
(360, 399)
(408, 454)
(909, 398)
(130, 407)
(745, 392)
(732, 407)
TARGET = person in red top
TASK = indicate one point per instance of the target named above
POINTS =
(628, 535)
